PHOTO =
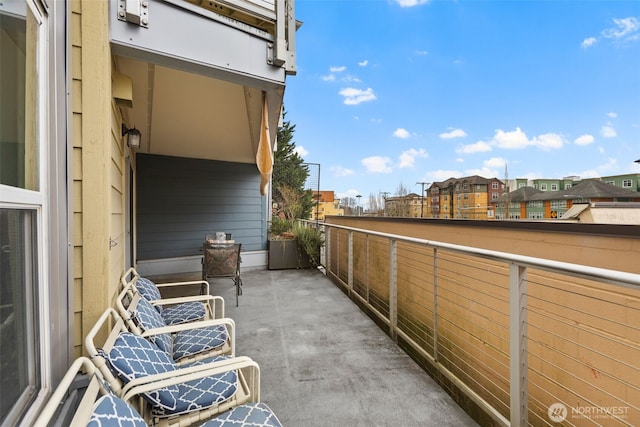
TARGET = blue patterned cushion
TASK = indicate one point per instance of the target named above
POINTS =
(183, 313)
(148, 290)
(197, 340)
(148, 318)
(111, 411)
(251, 414)
(200, 394)
(135, 357)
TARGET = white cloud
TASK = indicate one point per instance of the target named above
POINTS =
(601, 150)
(442, 175)
(510, 140)
(460, 160)
(453, 133)
(549, 141)
(485, 172)
(377, 164)
(421, 52)
(411, 3)
(401, 133)
(363, 63)
(351, 79)
(517, 139)
(328, 78)
(408, 158)
(495, 162)
(612, 115)
(301, 151)
(353, 96)
(478, 147)
(608, 131)
(625, 29)
(339, 171)
(584, 140)
(339, 69)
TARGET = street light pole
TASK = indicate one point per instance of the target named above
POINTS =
(422, 198)
(358, 197)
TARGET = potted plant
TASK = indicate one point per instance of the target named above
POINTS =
(292, 245)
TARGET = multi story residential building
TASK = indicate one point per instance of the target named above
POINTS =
(467, 198)
(534, 203)
(326, 204)
(408, 206)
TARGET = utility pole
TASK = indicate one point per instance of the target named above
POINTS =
(384, 201)
(422, 197)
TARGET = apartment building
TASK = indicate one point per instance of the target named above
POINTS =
(464, 198)
(326, 204)
(535, 204)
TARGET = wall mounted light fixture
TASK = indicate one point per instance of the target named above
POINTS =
(133, 136)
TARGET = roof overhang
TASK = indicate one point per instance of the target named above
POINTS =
(198, 81)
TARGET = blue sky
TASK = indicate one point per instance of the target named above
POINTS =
(392, 92)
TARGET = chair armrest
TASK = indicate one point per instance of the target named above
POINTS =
(187, 283)
(229, 323)
(182, 375)
(210, 300)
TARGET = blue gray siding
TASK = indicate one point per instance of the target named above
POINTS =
(180, 200)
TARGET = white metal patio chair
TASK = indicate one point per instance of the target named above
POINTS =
(99, 407)
(170, 394)
(180, 309)
(185, 342)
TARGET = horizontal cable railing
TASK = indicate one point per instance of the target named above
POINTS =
(531, 341)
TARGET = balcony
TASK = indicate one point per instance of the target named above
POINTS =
(514, 339)
(324, 362)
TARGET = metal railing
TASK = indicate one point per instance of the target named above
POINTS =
(531, 341)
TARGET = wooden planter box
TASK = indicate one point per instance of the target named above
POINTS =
(285, 254)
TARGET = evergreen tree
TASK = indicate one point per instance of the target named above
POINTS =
(289, 176)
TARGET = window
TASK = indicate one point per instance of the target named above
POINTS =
(494, 186)
(465, 186)
(521, 185)
(22, 204)
(543, 187)
(494, 196)
(627, 183)
(567, 186)
(558, 203)
(610, 182)
(536, 215)
(554, 187)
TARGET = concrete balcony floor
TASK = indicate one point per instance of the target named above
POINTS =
(324, 362)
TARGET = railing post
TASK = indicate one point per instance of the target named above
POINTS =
(435, 304)
(366, 272)
(350, 262)
(393, 288)
(518, 344)
(327, 249)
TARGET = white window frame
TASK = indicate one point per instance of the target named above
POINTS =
(543, 187)
(627, 183)
(37, 202)
(554, 187)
